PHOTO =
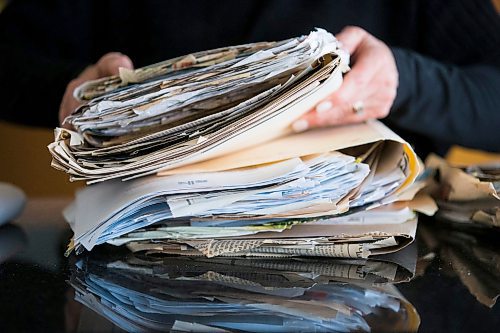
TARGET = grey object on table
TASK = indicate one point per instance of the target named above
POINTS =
(12, 201)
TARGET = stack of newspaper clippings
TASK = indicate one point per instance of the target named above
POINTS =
(196, 156)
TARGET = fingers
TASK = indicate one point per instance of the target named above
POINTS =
(89, 73)
(69, 103)
(372, 80)
(110, 63)
(357, 41)
(328, 114)
(375, 105)
(351, 37)
(364, 69)
(322, 118)
(107, 65)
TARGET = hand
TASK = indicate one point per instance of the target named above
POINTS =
(368, 90)
(106, 66)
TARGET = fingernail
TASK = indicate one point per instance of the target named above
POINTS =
(300, 125)
(324, 106)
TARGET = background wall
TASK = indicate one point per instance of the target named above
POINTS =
(25, 162)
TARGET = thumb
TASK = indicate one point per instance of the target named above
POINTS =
(110, 63)
(351, 37)
(106, 66)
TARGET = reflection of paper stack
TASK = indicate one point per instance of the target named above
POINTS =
(267, 295)
(473, 255)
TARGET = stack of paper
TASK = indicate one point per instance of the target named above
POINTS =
(248, 208)
(145, 294)
(469, 196)
(196, 107)
(221, 171)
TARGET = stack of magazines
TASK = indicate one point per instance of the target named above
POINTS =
(196, 156)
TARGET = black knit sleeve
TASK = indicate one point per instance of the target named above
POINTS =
(448, 103)
(456, 98)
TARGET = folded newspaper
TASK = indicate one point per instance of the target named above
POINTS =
(195, 107)
(188, 212)
(467, 196)
(195, 156)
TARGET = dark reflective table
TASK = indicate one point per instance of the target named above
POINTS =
(448, 280)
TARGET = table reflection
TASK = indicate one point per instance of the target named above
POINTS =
(472, 253)
(147, 293)
(457, 266)
(12, 240)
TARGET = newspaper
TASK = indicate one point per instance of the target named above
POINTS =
(468, 196)
(309, 180)
(169, 115)
(322, 238)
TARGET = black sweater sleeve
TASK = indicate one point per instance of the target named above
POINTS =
(450, 90)
(448, 103)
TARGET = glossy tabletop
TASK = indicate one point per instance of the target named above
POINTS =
(448, 280)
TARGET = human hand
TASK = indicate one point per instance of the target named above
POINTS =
(368, 90)
(106, 66)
